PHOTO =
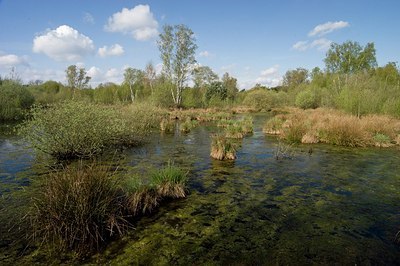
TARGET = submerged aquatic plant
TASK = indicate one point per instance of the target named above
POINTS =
(222, 148)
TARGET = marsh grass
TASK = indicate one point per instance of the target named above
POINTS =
(187, 125)
(334, 127)
(222, 148)
(167, 182)
(79, 208)
(167, 125)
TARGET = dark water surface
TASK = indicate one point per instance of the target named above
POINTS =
(333, 206)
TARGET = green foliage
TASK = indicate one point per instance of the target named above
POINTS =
(350, 57)
(77, 78)
(177, 47)
(293, 78)
(80, 129)
(307, 99)
(264, 99)
(14, 100)
(169, 174)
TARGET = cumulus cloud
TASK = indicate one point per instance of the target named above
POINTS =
(138, 21)
(321, 44)
(12, 60)
(114, 50)
(63, 44)
(270, 77)
(328, 27)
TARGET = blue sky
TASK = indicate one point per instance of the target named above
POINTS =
(255, 41)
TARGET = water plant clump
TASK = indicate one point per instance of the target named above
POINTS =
(167, 182)
(167, 125)
(79, 208)
(187, 125)
(82, 130)
(222, 148)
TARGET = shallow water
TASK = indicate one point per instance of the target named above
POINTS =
(333, 206)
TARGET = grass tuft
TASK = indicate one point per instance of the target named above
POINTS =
(222, 148)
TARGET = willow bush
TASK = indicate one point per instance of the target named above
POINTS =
(81, 130)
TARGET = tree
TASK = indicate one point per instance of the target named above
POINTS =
(77, 78)
(133, 76)
(216, 90)
(150, 75)
(293, 78)
(350, 57)
(230, 84)
(203, 76)
(177, 47)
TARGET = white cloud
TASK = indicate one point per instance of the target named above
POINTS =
(63, 44)
(301, 46)
(114, 50)
(270, 77)
(12, 60)
(88, 18)
(328, 27)
(205, 54)
(138, 21)
(321, 44)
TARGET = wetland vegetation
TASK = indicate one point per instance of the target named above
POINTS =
(152, 171)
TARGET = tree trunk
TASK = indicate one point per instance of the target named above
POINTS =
(132, 94)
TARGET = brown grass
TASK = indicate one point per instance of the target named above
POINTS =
(335, 127)
(222, 148)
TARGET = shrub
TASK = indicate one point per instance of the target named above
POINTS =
(14, 100)
(79, 207)
(307, 99)
(78, 129)
(222, 148)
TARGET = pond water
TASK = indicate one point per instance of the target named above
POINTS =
(328, 205)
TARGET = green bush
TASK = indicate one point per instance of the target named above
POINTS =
(15, 100)
(307, 99)
(79, 129)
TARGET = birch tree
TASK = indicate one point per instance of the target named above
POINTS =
(177, 47)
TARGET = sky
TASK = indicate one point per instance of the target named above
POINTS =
(254, 41)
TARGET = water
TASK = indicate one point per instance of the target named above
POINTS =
(333, 206)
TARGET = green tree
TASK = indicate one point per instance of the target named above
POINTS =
(177, 47)
(350, 57)
(230, 84)
(293, 78)
(77, 78)
(132, 77)
(203, 76)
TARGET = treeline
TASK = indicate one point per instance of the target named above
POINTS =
(351, 81)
